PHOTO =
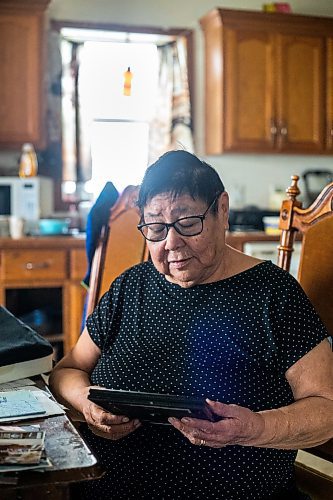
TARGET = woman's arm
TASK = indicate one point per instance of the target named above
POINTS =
(70, 379)
(70, 384)
(303, 424)
(309, 421)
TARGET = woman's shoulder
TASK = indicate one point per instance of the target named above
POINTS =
(136, 274)
(251, 271)
(241, 263)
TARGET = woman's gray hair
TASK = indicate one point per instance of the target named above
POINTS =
(177, 173)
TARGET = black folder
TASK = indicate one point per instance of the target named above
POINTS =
(23, 352)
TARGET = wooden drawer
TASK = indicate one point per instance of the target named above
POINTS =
(33, 264)
(78, 264)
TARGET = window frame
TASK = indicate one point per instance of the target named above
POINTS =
(187, 33)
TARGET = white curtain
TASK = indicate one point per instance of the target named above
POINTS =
(50, 159)
(75, 124)
(171, 125)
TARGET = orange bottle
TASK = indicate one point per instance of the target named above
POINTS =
(128, 75)
(28, 161)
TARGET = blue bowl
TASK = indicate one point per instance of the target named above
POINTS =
(53, 226)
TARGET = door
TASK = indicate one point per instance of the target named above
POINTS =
(249, 94)
(300, 76)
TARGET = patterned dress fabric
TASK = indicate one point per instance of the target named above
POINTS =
(232, 341)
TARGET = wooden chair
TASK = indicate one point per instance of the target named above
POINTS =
(315, 274)
(120, 246)
(315, 223)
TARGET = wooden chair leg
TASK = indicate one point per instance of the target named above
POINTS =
(318, 486)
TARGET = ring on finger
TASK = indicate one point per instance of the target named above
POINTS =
(202, 442)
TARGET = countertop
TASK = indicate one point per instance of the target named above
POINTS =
(36, 242)
(235, 238)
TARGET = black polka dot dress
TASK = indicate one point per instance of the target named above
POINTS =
(232, 341)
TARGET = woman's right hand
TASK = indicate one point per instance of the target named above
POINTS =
(70, 384)
(105, 424)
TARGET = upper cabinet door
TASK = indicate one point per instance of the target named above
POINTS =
(22, 74)
(249, 93)
(20, 83)
(300, 75)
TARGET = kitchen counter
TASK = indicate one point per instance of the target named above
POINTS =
(40, 279)
(234, 238)
(237, 239)
(30, 242)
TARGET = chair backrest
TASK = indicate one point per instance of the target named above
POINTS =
(315, 223)
(120, 246)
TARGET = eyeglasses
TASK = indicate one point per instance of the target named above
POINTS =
(186, 226)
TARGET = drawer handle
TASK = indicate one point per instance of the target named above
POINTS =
(36, 265)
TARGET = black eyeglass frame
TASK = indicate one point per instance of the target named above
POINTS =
(168, 225)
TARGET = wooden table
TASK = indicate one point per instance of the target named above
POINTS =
(72, 461)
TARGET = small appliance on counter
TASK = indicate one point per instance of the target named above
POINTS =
(314, 183)
(4, 226)
(249, 218)
(276, 196)
(29, 199)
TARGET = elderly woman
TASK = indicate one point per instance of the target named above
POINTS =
(201, 319)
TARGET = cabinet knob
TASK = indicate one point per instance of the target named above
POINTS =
(284, 131)
(36, 265)
(273, 131)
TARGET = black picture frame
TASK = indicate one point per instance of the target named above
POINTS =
(151, 407)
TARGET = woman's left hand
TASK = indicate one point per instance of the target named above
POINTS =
(238, 425)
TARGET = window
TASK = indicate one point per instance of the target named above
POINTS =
(119, 153)
(119, 124)
(105, 134)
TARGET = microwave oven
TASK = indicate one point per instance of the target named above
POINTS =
(30, 198)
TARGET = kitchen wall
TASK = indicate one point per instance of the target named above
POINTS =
(247, 177)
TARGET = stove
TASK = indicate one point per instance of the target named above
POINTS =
(249, 218)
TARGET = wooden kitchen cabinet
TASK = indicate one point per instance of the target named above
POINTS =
(266, 82)
(40, 283)
(22, 49)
